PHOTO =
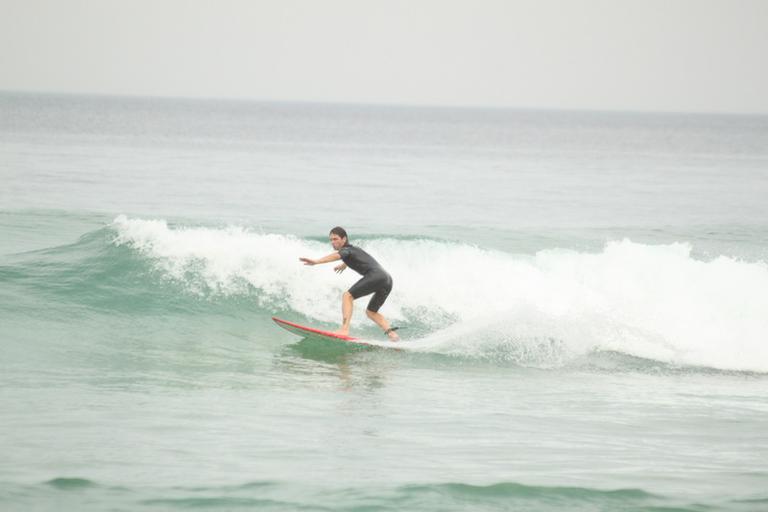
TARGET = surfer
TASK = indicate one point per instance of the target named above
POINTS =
(375, 281)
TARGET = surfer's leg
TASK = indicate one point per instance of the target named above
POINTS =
(383, 323)
(360, 288)
(365, 286)
(378, 283)
(375, 304)
(347, 303)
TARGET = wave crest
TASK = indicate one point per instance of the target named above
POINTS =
(648, 301)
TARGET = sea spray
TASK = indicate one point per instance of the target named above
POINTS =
(650, 301)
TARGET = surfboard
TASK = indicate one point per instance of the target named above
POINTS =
(305, 332)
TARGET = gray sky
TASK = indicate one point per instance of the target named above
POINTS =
(661, 55)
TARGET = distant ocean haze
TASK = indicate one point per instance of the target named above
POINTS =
(283, 166)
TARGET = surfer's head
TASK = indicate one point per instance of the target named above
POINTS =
(338, 237)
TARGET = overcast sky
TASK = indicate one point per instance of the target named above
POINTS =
(659, 55)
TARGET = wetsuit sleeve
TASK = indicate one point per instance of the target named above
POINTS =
(344, 253)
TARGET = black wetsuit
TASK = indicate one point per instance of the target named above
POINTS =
(375, 279)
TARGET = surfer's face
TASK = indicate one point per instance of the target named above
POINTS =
(336, 241)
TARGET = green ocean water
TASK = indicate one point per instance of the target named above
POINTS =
(582, 297)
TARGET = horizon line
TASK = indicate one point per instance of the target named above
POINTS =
(374, 104)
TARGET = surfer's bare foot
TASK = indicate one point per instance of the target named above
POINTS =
(393, 336)
(343, 332)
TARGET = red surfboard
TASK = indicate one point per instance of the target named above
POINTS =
(304, 331)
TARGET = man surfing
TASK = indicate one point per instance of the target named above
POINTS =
(375, 281)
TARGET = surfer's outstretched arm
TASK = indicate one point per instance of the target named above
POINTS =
(325, 259)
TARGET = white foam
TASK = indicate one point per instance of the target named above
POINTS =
(651, 301)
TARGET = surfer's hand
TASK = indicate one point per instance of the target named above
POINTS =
(308, 261)
(340, 268)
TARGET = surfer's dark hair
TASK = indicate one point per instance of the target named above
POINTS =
(341, 232)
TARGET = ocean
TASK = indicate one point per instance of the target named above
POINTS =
(582, 297)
